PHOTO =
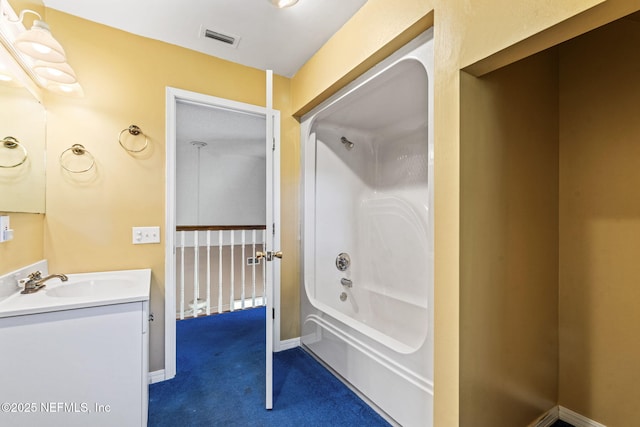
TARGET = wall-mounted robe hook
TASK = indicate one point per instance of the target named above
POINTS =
(135, 131)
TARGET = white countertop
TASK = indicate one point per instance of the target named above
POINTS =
(82, 290)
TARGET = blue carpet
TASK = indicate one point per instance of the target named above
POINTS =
(220, 381)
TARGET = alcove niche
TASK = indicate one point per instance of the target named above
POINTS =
(550, 233)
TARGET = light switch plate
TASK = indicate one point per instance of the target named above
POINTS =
(145, 235)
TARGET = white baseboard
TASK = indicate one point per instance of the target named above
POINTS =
(561, 413)
(156, 376)
(576, 419)
(547, 419)
(288, 344)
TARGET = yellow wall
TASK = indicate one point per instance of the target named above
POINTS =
(26, 246)
(290, 210)
(376, 31)
(89, 216)
(600, 224)
(509, 244)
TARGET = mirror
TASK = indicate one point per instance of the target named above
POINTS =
(22, 146)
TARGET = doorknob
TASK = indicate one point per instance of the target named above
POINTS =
(268, 255)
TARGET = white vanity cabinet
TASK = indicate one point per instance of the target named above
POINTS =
(85, 366)
(82, 367)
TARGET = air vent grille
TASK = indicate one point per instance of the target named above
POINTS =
(220, 36)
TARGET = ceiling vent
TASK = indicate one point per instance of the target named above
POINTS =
(219, 36)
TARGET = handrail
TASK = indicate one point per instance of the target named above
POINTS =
(219, 227)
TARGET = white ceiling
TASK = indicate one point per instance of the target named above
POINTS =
(278, 39)
(225, 132)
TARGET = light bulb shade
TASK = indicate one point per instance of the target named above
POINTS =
(72, 90)
(55, 72)
(38, 43)
(283, 3)
(5, 75)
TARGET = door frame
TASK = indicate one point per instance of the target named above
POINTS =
(173, 95)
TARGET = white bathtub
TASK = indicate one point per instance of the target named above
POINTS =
(373, 200)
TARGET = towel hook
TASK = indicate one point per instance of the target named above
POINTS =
(135, 131)
(12, 143)
(78, 150)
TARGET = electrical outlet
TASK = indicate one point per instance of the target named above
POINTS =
(145, 235)
(6, 233)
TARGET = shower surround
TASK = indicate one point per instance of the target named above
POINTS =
(367, 298)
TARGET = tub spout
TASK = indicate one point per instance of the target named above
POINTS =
(346, 282)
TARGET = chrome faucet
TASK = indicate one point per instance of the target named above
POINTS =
(346, 282)
(35, 281)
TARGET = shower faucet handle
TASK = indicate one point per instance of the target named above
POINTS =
(343, 261)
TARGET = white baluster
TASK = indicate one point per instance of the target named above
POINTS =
(253, 269)
(220, 235)
(243, 237)
(232, 296)
(182, 275)
(208, 272)
(196, 273)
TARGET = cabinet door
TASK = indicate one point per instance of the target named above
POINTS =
(74, 368)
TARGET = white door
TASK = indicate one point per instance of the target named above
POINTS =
(272, 222)
(272, 252)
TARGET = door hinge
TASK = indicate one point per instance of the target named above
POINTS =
(273, 313)
(273, 146)
(273, 228)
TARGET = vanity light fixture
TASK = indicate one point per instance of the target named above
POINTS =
(38, 42)
(281, 4)
(66, 89)
(37, 52)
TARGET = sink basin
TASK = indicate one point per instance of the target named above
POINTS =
(90, 288)
(81, 290)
